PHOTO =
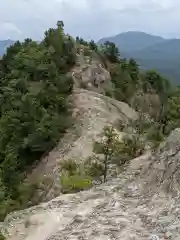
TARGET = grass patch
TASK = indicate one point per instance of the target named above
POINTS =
(77, 177)
(74, 183)
(2, 237)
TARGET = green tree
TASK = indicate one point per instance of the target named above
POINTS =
(133, 70)
(111, 52)
(108, 147)
(124, 86)
(2, 236)
(33, 102)
(61, 47)
(81, 41)
(93, 46)
(172, 114)
(154, 82)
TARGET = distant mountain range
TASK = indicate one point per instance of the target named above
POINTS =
(4, 44)
(150, 51)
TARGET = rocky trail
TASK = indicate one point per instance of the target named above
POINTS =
(127, 207)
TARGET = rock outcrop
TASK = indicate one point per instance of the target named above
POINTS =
(120, 209)
(164, 170)
(89, 73)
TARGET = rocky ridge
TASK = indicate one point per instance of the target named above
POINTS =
(141, 203)
(128, 207)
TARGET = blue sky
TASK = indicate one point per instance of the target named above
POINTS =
(89, 18)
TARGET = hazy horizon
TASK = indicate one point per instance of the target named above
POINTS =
(106, 36)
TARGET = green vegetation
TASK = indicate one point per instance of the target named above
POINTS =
(74, 183)
(2, 237)
(34, 114)
(117, 151)
(110, 51)
(73, 177)
(94, 168)
(33, 107)
(109, 147)
(147, 92)
(76, 177)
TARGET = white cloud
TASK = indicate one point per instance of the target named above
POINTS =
(89, 18)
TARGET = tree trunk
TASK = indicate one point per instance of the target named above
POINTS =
(105, 167)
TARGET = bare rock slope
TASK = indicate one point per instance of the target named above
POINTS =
(128, 207)
(90, 73)
(92, 112)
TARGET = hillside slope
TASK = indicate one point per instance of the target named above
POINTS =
(141, 204)
(168, 49)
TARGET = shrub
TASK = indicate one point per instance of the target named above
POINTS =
(77, 177)
(117, 151)
(8, 206)
(74, 183)
(94, 168)
(2, 237)
(26, 192)
(69, 166)
(109, 92)
(73, 177)
(133, 146)
(155, 136)
(23, 198)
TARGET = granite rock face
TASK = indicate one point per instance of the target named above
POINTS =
(164, 171)
(89, 73)
(133, 206)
